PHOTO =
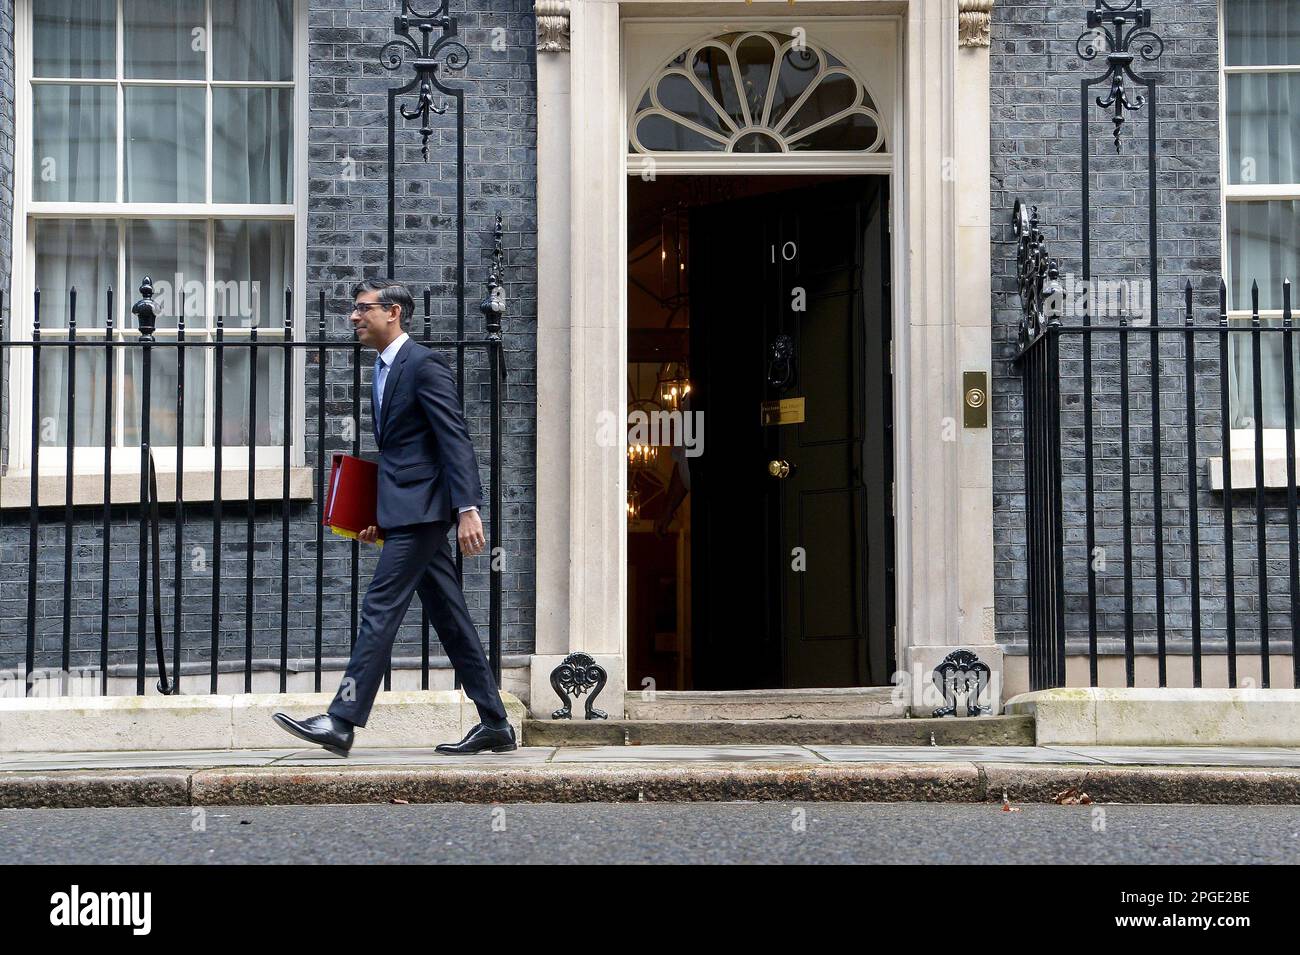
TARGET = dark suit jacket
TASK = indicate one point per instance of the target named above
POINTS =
(427, 467)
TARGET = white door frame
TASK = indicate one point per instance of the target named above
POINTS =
(941, 265)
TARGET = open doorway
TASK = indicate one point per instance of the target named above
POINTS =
(760, 449)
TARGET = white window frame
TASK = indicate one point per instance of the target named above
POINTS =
(199, 460)
(1243, 439)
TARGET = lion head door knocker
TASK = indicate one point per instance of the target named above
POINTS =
(576, 674)
(962, 671)
(780, 363)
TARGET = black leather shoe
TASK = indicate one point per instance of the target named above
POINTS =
(481, 737)
(329, 731)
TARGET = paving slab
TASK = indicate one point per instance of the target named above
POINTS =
(143, 759)
(412, 757)
(692, 754)
(1260, 756)
(948, 754)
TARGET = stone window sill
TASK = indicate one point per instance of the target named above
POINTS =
(197, 488)
(1243, 470)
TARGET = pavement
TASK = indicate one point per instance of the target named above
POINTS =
(656, 773)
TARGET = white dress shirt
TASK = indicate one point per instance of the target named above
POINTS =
(387, 357)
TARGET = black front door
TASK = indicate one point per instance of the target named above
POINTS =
(791, 499)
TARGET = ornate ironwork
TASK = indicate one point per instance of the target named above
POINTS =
(1041, 294)
(494, 299)
(429, 56)
(432, 56)
(1115, 28)
(962, 671)
(576, 674)
(432, 59)
(145, 309)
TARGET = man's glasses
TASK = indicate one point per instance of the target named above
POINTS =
(363, 307)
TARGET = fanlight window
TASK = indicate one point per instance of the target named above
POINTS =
(755, 93)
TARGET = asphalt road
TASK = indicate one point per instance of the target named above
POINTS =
(729, 833)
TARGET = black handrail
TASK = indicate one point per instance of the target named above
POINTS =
(151, 515)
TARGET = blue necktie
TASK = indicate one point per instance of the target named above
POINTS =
(378, 385)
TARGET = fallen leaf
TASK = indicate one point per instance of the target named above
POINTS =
(1072, 797)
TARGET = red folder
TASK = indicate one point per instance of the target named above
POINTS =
(350, 496)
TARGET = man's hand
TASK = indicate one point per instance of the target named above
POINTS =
(470, 534)
(369, 536)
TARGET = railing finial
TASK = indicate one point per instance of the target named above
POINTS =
(145, 309)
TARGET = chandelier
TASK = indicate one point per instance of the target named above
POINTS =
(674, 251)
(674, 383)
(641, 455)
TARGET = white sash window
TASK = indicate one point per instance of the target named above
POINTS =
(160, 138)
(1261, 190)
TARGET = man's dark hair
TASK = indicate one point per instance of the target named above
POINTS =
(390, 293)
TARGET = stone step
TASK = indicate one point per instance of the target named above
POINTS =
(848, 703)
(950, 731)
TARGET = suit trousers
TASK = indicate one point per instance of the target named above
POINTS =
(415, 559)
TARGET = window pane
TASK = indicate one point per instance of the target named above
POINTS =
(712, 67)
(798, 69)
(252, 40)
(854, 131)
(661, 134)
(834, 94)
(252, 149)
(1263, 138)
(160, 41)
(1272, 381)
(162, 395)
(90, 399)
(254, 264)
(1263, 242)
(74, 38)
(80, 253)
(270, 396)
(74, 143)
(173, 253)
(164, 144)
(1261, 32)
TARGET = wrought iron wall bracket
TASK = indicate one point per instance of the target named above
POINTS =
(1116, 28)
(432, 59)
(576, 674)
(429, 56)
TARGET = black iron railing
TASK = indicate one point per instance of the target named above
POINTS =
(1137, 540)
(184, 647)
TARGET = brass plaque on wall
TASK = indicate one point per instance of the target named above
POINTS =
(785, 411)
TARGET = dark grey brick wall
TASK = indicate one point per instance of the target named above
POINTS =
(346, 240)
(1035, 73)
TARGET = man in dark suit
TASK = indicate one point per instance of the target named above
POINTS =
(428, 480)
